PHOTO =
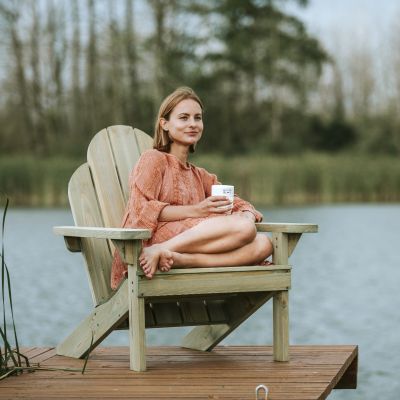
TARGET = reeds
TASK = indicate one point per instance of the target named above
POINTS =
(309, 178)
(266, 180)
(33, 182)
(11, 359)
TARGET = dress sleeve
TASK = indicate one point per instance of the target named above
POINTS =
(240, 205)
(208, 180)
(145, 182)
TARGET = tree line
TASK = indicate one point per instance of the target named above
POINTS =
(71, 68)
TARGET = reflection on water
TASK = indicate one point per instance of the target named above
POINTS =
(344, 290)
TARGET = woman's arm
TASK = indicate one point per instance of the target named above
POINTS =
(211, 205)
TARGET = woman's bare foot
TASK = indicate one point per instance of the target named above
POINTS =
(265, 263)
(166, 261)
(149, 259)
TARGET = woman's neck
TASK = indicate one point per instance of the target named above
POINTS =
(180, 152)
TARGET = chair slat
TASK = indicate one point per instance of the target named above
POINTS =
(167, 314)
(144, 141)
(149, 316)
(193, 311)
(126, 153)
(86, 212)
(216, 310)
(106, 181)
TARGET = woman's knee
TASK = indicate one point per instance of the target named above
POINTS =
(244, 229)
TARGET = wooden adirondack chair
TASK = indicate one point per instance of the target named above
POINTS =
(215, 300)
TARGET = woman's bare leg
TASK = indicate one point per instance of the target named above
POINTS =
(250, 254)
(214, 235)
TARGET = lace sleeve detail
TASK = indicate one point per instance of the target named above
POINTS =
(146, 179)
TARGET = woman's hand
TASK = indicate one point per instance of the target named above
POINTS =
(214, 205)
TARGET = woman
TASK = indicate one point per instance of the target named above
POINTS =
(173, 198)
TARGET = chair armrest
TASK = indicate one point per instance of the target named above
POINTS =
(73, 234)
(286, 227)
(102, 233)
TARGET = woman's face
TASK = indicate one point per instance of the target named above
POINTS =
(185, 124)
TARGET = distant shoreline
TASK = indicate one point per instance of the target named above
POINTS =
(266, 181)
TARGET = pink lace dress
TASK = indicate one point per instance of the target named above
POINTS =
(160, 179)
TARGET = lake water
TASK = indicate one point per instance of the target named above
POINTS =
(345, 288)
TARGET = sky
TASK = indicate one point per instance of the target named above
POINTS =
(352, 20)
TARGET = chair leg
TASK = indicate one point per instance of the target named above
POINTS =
(281, 326)
(137, 335)
(97, 325)
(282, 248)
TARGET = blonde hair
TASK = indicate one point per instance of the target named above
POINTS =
(162, 141)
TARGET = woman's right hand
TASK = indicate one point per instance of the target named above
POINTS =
(214, 205)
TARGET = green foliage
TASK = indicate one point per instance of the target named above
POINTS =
(236, 54)
(30, 181)
(331, 136)
(255, 66)
(264, 179)
(262, 52)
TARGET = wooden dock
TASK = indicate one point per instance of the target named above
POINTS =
(176, 373)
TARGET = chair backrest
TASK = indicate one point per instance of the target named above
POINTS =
(98, 191)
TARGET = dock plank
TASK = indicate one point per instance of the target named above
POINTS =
(228, 372)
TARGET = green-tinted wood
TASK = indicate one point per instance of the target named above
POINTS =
(293, 239)
(86, 213)
(281, 326)
(102, 233)
(281, 301)
(105, 177)
(219, 270)
(73, 244)
(239, 307)
(194, 311)
(126, 153)
(144, 141)
(286, 227)
(217, 310)
(229, 282)
(99, 323)
(137, 335)
(167, 314)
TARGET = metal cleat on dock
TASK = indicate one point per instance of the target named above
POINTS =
(261, 392)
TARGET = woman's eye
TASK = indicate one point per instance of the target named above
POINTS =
(184, 118)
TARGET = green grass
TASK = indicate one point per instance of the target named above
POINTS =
(309, 178)
(265, 181)
(33, 182)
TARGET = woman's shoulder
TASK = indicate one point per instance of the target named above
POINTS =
(205, 175)
(152, 156)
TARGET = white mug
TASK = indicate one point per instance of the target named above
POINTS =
(223, 190)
